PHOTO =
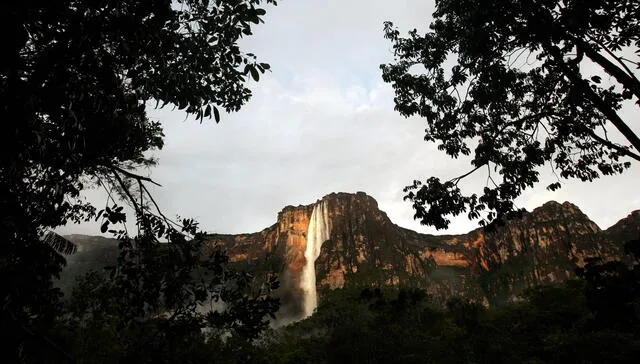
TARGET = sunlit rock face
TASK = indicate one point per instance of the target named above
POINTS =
(279, 249)
(318, 232)
(341, 239)
(365, 248)
(543, 247)
(344, 239)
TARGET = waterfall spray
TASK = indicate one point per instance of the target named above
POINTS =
(318, 233)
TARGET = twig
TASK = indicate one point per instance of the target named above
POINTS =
(127, 192)
(457, 179)
(618, 59)
(132, 175)
(155, 204)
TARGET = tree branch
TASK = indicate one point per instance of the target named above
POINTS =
(43, 337)
(132, 175)
(457, 179)
(128, 193)
(605, 109)
(613, 145)
(155, 204)
(609, 67)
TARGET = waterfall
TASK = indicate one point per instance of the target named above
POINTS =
(317, 234)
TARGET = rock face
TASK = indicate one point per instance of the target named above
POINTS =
(626, 229)
(543, 247)
(278, 248)
(364, 248)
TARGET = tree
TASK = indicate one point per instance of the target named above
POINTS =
(76, 78)
(510, 84)
(165, 303)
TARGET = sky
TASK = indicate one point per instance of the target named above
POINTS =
(322, 121)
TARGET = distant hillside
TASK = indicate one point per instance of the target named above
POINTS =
(94, 253)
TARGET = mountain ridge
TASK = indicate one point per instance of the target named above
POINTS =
(365, 248)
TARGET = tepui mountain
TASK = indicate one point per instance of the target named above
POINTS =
(345, 240)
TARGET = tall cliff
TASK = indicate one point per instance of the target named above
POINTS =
(364, 248)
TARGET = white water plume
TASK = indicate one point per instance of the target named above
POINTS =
(318, 232)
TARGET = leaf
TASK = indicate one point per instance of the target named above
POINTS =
(254, 73)
(596, 79)
(216, 114)
(207, 111)
(60, 244)
(554, 186)
(105, 226)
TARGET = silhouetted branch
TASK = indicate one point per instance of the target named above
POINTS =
(132, 175)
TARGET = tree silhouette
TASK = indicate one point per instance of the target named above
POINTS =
(76, 78)
(510, 83)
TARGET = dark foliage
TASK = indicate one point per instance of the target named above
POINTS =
(591, 320)
(165, 302)
(507, 83)
(76, 78)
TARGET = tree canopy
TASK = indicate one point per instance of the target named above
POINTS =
(517, 85)
(76, 79)
(589, 320)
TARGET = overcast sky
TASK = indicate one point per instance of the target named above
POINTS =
(322, 121)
